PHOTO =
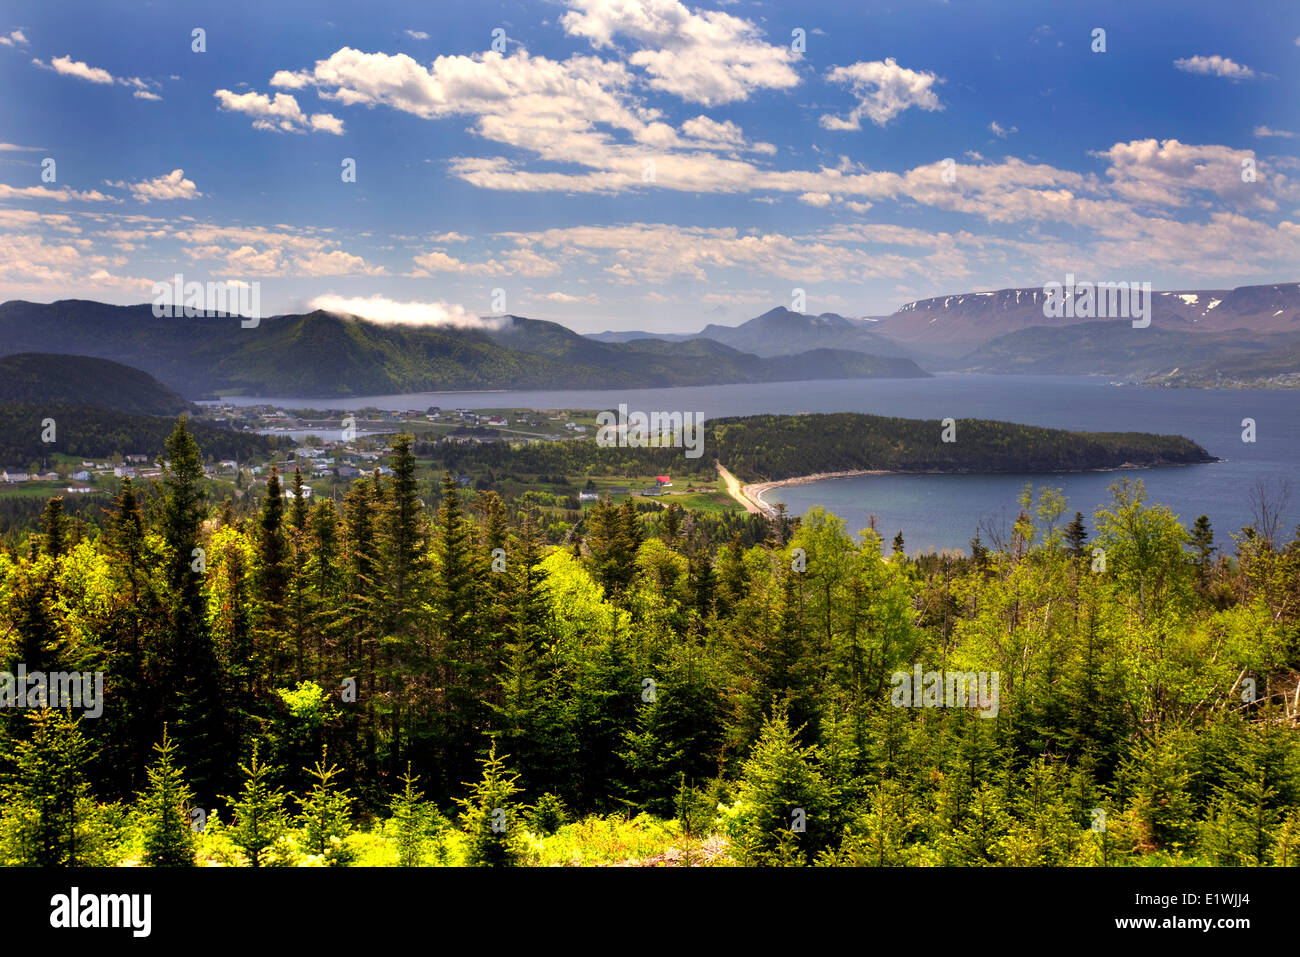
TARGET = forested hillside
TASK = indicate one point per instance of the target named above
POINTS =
(762, 447)
(385, 680)
(35, 377)
(98, 433)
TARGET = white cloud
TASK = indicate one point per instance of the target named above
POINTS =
(280, 113)
(171, 185)
(1215, 66)
(1268, 131)
(1000, 131)
(564, 297)
(61, 195)
(884, 89)
(15, 38)
(66, 66)
(14, 147)
(416, 34)
(706, 57)
(377, 308)
(335, 263)
(816, 199)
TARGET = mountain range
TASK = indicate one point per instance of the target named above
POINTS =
(321, 354)
(1245, 335)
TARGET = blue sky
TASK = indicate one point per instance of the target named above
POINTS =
(644, 163)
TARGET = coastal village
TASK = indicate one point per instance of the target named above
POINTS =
(332, 449)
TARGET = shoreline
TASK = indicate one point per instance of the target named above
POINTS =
(754, 493)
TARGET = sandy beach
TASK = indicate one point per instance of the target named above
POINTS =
(752, 495)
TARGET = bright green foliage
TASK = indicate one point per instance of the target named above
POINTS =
(49, 818)
(260, 818)
(326, 815)
(490, 819)
(165, 811)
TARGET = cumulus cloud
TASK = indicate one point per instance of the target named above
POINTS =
(1170, 173)
(171, 185)
(1215, 66)
(884, 89)
(380, 309)
(66, 66)
(706, 57)
(280, 113)
(15, 38)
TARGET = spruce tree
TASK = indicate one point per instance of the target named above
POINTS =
(260, 818)
(197, 707)
(326, 814)
(165, 811)
(492, 822)
(54, 523)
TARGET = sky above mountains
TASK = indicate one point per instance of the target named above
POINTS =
(644, 163)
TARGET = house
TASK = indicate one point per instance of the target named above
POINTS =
(306, 493)
(123, 471)
(46, 477)
(82, 476)
(137, 458)
(498, 420)
(79, 489)
(463, 480)
(618, 490)
(652, 490)
(12, 477)
(349, 471)
(588, 496)
(664, 481)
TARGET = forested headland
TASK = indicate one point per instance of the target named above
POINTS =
(773, 447)
(392, 680)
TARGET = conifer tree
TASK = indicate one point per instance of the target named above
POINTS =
(260, 818)
(165, 811)
(326, 814)
(415, 824)
(492, 822)
(48, 817)
(197, 706)
(54, 523)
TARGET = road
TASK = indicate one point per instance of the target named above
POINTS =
(735, 490)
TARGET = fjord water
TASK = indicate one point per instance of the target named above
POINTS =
(942, 511)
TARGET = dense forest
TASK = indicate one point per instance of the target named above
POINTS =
(100, 433)
(763, 447)
(769, 447)
(386, 681)
(38, 377)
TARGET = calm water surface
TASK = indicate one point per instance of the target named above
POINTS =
(942, 511)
